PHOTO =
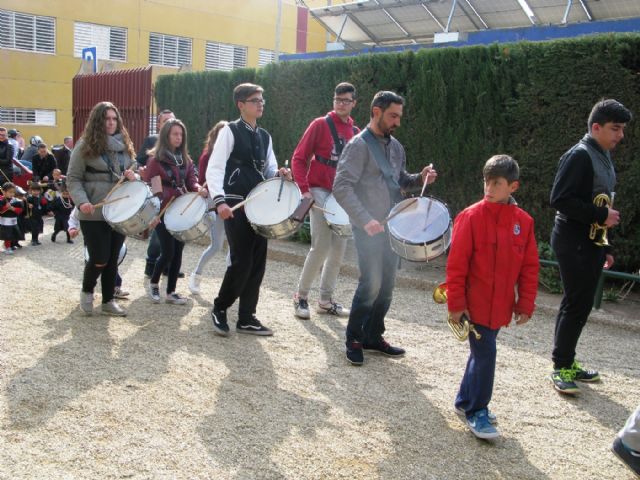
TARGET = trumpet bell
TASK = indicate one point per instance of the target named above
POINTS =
(462, 329)
(440, 294)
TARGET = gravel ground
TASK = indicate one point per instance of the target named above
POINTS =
(158, 395)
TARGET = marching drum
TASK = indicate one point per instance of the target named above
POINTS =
(193, 223)
(133, 213)
(121, 254)
(422, 231)
(336, 217)
(270, 214)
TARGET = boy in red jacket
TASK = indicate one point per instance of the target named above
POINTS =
(493, 254)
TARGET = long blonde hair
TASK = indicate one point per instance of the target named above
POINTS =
(212, 136)
(95, 137)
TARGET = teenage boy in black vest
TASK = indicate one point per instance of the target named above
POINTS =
(584, 171)
(242, 157)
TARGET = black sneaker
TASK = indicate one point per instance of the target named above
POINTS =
(384, 348)
(252, 326)
(563, 381)
(629, 457)
(220, 325)
(355, 354)
(582, 375)
(181, 275)
(53, 237)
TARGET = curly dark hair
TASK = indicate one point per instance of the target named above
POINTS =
(94, 136)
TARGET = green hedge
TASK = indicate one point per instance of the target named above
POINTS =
(530, 100)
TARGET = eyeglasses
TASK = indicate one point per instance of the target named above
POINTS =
(343, 101)
(257, 101)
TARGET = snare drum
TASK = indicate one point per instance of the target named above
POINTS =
(268, 216)
(132, 215)
(336, 217)
(422, 231)
(193, 223)
(121, 254)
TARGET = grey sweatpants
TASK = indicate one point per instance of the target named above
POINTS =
(630, 433)
(327, 251)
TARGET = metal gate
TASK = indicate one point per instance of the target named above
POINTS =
(129, 90)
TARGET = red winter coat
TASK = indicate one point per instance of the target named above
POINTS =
(493, 254)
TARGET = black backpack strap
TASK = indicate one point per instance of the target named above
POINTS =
(337, 141)
(383, 165)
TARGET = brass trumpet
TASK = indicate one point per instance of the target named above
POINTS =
(598, 233)
(460, 329)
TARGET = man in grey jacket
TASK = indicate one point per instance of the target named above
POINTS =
(370, 176)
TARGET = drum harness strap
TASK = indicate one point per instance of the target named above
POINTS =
(383, 165)
(337, 141)
(182, 169)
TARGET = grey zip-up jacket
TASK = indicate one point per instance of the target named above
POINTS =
(360, 187)
(89, 179)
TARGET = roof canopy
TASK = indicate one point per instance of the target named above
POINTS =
(399, 22)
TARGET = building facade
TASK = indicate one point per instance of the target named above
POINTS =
(42, 42)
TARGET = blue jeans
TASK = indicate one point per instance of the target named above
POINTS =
(477, 383)
(378, 265)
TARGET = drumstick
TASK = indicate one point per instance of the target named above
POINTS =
(424, 185)
(323, 210)
(238, 205)
(120, 180)
(286, 162)
(414, 200)
(192, 200)
(166, 206)
(107, 202)
(426, 219)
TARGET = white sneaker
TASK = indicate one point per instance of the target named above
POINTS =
(112, 309)
(154, 292)
(175, 299)
(332, 308)
(301, 307)
(120, 294)
(194, 283)
(86, 302)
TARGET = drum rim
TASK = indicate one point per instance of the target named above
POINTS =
(178, 204)
(272, 179)
(429, 242)
(111, 206)
(326, 215)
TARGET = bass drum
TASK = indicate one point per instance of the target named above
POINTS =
(270, 214)
(421, 231)
(190, 224)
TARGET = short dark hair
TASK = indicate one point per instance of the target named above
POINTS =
(345, 87)
(501, 166)
(609, 110)
(42, 145)
(166, 111)
(384, 98)
(244, 91)
(8, 186)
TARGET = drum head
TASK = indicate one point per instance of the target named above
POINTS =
(177, 221)
(337, 216)
(426, 220)
(266, 209)
(124, 209)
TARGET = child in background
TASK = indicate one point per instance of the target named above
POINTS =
(493, 254)
(38, 206)
(62, 207)
(10, 208)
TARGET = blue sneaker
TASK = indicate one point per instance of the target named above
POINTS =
(481, 426)
(490, 415)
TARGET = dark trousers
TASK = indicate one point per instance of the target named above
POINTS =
(476, 387)
(170, 257)
(243, 277)
(153, 252)
(37, 225)
(378, 267)
(61, 225)
(103, 244)
(581, 263)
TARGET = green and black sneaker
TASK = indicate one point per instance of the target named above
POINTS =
(582, 375)
(563, 381)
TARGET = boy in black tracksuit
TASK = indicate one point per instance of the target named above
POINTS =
(584, 171)
(37, 207)
(62, 207)
(242, 158)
